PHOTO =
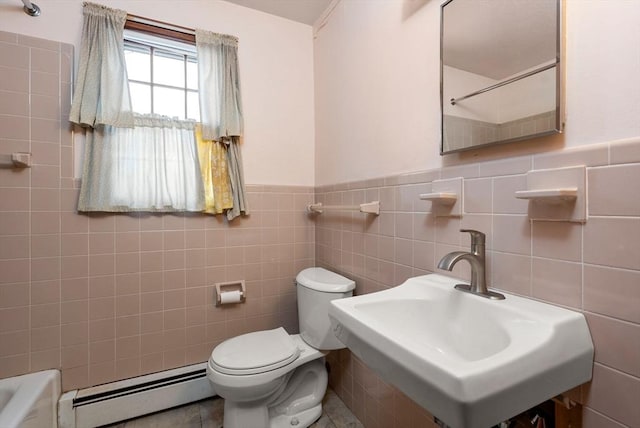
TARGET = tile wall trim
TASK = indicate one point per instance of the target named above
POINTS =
(592, 155)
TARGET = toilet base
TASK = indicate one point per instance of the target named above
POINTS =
(241, 415)
(298, 405)
(237, 416)
(302, 419)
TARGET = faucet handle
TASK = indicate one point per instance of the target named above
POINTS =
(477, 237)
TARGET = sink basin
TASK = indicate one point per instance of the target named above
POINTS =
(472, 362)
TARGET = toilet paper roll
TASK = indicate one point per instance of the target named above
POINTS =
(230, 297)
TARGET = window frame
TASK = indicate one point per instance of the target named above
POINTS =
(160, 29)
(158, 41)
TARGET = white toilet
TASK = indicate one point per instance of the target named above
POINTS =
(270, 379)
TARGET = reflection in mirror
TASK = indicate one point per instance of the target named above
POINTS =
(500, 71)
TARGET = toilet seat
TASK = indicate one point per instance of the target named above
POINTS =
(254, 353)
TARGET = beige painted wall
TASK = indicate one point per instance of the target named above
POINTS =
(377, 86)
(276, 66)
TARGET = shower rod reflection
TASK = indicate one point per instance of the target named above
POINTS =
(454, 101)
(31, 9)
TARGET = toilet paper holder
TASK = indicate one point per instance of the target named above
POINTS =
(230, 287)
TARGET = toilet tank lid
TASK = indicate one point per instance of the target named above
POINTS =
(320, 279)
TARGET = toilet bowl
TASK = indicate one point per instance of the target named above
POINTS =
(271, 379)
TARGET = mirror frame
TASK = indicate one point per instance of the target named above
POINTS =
(560, 76)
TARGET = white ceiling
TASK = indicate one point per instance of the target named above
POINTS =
(498, 38)
(304, 11)
(522, 30)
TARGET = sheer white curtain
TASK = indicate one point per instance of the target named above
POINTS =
(219, 83)
(101, 93)
(151, 167)
(221, 105)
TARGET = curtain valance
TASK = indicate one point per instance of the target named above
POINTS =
(101, 93)
(204, 37)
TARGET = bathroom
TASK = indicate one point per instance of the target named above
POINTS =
(344, 111)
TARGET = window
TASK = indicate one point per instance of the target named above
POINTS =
(163, 76)
(152, 166)
(148, 159)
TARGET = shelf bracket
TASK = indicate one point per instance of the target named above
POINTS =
(16, 160)
(558, 194)
(446, 197)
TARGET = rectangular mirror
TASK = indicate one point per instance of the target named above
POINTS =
(500, 71)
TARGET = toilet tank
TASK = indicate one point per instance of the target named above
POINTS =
(316, 288)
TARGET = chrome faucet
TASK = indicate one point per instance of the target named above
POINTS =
(476, 259)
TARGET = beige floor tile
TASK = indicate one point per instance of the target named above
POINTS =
(210, 413)
(186, 416)
(339, 414)
(323, 422)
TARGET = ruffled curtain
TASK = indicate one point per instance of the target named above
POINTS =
(221, 105)
(151, 167)
(101, 94)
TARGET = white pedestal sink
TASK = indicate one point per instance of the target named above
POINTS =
(472, 362)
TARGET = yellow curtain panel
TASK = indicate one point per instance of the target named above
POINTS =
(215, 174)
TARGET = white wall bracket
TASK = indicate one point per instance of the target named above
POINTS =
(367, 208)
(446, 197)
(16, 160)
(558, 194)
(549, 195)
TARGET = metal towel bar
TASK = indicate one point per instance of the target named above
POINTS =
(505, 82)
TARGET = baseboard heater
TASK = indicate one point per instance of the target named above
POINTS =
(131, 398)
